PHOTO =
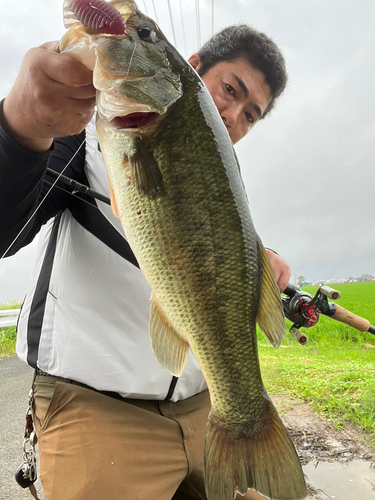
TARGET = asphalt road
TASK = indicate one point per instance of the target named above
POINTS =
(15, 383)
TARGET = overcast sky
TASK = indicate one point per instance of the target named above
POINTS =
(309, 166)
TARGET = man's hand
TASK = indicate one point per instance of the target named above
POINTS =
(53, 96)
(280, 268)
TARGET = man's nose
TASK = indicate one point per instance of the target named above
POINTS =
(230, 115)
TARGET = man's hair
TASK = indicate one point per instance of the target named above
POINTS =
(257, 48)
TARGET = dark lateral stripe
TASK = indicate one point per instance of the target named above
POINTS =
(35, 323)
(97, 224)
(171, 388)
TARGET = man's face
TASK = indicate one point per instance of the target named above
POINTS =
(239, 92)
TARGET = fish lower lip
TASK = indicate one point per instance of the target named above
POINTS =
(135, 120)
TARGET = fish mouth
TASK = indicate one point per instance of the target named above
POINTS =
(135, 120)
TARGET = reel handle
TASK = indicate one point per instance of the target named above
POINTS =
(330, 292)
(299, 336)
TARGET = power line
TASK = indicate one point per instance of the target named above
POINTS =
(144, 3)
(183, 29)
(156, 16)
(170, 15)
(198, 23)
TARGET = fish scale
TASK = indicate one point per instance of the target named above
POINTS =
(177, 189)
(187, 266)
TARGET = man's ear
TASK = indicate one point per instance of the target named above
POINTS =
(195, 61)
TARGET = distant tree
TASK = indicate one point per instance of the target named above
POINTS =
(301, 281)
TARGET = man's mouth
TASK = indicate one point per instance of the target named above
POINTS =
(135, 120)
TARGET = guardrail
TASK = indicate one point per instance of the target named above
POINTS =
(9, 317)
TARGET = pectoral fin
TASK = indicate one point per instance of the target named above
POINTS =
(270, 315)
(113, 201)
(170, 349)
(145, 171)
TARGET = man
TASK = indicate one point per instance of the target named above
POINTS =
(111, 422)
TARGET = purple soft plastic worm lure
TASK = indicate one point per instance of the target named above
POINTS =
(99, 16)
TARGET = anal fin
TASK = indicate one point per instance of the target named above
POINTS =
(270, 316)
(170, 349)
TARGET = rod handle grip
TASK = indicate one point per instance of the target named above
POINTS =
(345, 316)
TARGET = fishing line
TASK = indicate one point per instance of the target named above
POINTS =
(183, 29)
(40, 204)
(61, 173)
(131, 60)
(84, 141)
(170, 15)
(212, 3)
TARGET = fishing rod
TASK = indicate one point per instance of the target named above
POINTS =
(303, 310)
(78, 187)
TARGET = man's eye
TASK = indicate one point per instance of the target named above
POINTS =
(249, 117)
(230, 89)
(144, 32)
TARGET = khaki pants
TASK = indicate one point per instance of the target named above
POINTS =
(94, 447)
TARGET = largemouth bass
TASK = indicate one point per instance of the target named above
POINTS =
(177, 189)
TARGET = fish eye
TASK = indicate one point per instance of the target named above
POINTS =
(144, 32)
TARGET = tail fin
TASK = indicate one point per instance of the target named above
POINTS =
(265, 461)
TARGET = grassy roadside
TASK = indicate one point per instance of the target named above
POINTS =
(334, 371)
(7, 341)
(339, 382)
(8, 335)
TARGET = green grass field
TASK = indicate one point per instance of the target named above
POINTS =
(8, 335)
(358, 298)
(334, 371)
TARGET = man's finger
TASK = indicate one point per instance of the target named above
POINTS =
(85, 92)
(283, 281)
(50, 46)
(62, 68)
(67, 70)
(280, 268)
